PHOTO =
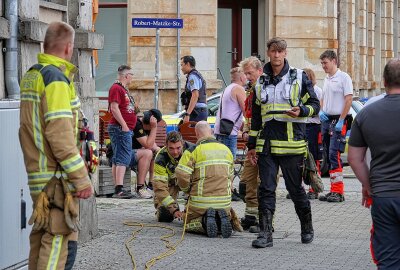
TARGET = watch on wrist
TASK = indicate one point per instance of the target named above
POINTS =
(186, 114)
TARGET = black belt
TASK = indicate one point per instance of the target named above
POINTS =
(334, 117)
(201, 109)
(312, 124)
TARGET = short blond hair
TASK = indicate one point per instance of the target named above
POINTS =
(251, 61)
(235, 72)
(310, 75)
(58, 34)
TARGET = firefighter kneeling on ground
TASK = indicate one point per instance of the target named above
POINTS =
(164, 184)
(205, 172)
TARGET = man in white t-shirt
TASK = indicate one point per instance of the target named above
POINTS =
(335, 105)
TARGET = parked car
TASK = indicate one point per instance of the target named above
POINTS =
(173, 120)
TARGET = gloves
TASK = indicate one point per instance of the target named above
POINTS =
(40, 215)
(70, 209)
(339, 125)
(323, 116)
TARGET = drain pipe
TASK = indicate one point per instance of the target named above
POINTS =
(178, 58)
(11, 50)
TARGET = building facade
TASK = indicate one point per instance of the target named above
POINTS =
(22, 28)
(220, 33)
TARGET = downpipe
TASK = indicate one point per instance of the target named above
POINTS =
(11, 50)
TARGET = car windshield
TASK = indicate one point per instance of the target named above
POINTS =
(212, 105)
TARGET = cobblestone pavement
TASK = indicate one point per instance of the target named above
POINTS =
(341, 238)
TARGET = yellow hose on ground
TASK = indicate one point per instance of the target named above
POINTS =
(171, 248)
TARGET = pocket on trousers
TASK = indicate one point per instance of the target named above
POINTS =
(57, 224)
(340, 143)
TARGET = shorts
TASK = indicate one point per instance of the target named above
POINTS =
(121, 142)
(134, 160)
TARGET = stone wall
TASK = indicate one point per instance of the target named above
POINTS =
(198, 38)
(364, 33)
(307, 33)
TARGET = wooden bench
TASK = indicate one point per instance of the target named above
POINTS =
(161, 135)
(104, 119)
(188, 132)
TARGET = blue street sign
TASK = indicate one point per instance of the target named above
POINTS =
(156, 23)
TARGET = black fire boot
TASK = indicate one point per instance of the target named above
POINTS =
(264, 238)
(224, 223)
(242, 191)
(307, 231)
(247, 221)
(210, 223)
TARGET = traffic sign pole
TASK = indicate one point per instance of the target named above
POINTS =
(157, 74)
(157, 23)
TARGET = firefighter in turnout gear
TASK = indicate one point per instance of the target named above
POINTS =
(205, 172)
(249, 180)
(165, 187)
(284, 98)
(49, 140)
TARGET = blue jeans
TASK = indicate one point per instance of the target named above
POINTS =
(121, 142)
(230, 141)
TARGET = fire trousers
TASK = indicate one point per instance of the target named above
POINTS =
(292, 168)
(173, 191)
(250, 178)
(48, 251)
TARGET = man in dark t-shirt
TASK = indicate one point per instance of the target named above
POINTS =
(143, 139)
(376, 127)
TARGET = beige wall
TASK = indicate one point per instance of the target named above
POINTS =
(198, 38)
(363, 34)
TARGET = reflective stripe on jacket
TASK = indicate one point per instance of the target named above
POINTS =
(49, 124)
(283, 134)
(205, 171)
(164, 177)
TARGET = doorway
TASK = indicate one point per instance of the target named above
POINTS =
(237, 34)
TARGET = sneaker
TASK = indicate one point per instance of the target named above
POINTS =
(288, 196)
(235, 196)
(143, 193)
(312, 195)
(149, 186)
(336, 197)
(324, 198)
(123, 194)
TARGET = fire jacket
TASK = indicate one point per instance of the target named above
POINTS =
(49, 124)
(164, 178)
(284, 135)
(205, 171)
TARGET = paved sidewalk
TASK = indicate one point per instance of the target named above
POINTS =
(341, 239)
